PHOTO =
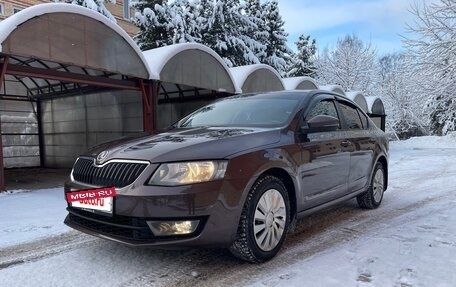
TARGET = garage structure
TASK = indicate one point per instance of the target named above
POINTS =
(376, 111)
(188, 76)
(71, 79)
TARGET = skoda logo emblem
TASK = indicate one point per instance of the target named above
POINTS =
(102, 156)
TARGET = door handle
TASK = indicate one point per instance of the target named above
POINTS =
(346, 143)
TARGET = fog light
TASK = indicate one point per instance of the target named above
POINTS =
(164, 228)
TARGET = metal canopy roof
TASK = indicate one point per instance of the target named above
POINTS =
(190, 64)
(300, 83)
(72, 35)
(358, 98)
(257, 78)
(375, 105)
(333, 88)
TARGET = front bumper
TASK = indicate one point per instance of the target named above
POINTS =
(217, 205)
(129, 230)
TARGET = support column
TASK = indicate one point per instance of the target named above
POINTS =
(149, 93)
(39, 118)
(2, 172)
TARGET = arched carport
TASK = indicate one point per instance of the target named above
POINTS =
(333, 88)
(64, 71)
(188, 75)
(257, 78)
(376, 111)
(358, 98)
(300, 83)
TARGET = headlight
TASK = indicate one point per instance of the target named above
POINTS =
(181, 173)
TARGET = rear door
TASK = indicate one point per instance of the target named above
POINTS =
(360, 144)
(324, 170)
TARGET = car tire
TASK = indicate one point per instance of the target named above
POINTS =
(373, 196)
(264, 221)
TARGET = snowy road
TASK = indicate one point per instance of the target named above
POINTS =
(409, 241)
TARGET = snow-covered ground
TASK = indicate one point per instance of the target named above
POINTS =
(29, 215)
(409, 241)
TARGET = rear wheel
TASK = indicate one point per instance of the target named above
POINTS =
(373, 196)
(264, 221)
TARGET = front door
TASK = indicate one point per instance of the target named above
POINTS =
(325, 161)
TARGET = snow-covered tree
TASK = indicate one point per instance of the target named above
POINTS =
(258, 32)
(352, 65)
(96, 5)
(241, 32)
(402, 98)
(152, 18)
(303, 61)
(182, 21)
(433, 45)
(228, 33)
(278, 54)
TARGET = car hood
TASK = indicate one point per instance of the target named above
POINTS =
(186, 144)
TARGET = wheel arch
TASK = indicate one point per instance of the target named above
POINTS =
(287, 180)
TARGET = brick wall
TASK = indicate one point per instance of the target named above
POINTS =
(115, 9)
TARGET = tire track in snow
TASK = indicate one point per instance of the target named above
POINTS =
(43, 248)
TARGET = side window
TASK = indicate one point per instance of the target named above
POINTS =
(325, 107)
(351, 116)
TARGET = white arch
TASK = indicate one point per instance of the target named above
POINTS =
(14, 22)
(333, 88)
(294, 83)
(158, 58)
(375, 105)
(241, 75)
(359, 99)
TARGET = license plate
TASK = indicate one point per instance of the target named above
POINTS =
(100, 199)
(100, 204)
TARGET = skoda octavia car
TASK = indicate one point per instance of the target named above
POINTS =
(235, 174)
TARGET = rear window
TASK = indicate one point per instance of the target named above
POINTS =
(351, 116)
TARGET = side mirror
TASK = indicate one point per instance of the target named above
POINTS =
(321, 123)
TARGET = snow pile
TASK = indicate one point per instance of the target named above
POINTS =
(432, 142)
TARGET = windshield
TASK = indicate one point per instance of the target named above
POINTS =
(242, 112)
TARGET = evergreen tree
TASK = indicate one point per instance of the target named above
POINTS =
(258, 31)
(227, 33)
(202, 11)
(152, 20)
(302, 64)
(278, 54)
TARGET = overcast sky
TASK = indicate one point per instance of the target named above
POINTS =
(379, 21)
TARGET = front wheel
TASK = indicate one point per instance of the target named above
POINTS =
(373, 196)
(264, 221)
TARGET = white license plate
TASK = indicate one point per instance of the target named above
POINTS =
(100, 204)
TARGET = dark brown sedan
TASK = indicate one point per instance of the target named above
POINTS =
(235, 174)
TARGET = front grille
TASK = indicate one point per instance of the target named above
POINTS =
(132, 228)
(117, 174)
